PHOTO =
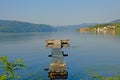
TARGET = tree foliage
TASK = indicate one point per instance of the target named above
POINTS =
(10, 67)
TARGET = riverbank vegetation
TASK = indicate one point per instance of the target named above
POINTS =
(108, 26)
(9, 68)
(111, 27)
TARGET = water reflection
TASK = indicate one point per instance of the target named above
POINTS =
(87, 51)
(58, 68)
(22, 37)
(104, 32)
(107, 32)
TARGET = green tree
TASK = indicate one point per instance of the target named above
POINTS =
(10, 68)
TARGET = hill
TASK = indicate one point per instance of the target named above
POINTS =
(18, 26)
(111, 26)
(115, 21)
(74, 27)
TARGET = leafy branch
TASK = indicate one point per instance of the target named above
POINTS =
(10, 68)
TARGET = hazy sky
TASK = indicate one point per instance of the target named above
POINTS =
(60, 12)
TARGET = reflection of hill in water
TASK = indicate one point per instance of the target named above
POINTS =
(22, 37)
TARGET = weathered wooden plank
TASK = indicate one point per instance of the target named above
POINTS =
(55, 43)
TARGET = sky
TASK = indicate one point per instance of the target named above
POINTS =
(60, 12)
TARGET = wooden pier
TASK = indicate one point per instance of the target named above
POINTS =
(57, 68)
(55, 43)
(58, 71)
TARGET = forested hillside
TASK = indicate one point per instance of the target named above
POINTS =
(17, 26)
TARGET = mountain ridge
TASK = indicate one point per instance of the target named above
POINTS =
(19, 26)
(74, 27)
(115, 21)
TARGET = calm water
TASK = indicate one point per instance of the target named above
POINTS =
(89, 53)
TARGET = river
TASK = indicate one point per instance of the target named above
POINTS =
(88, 53)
